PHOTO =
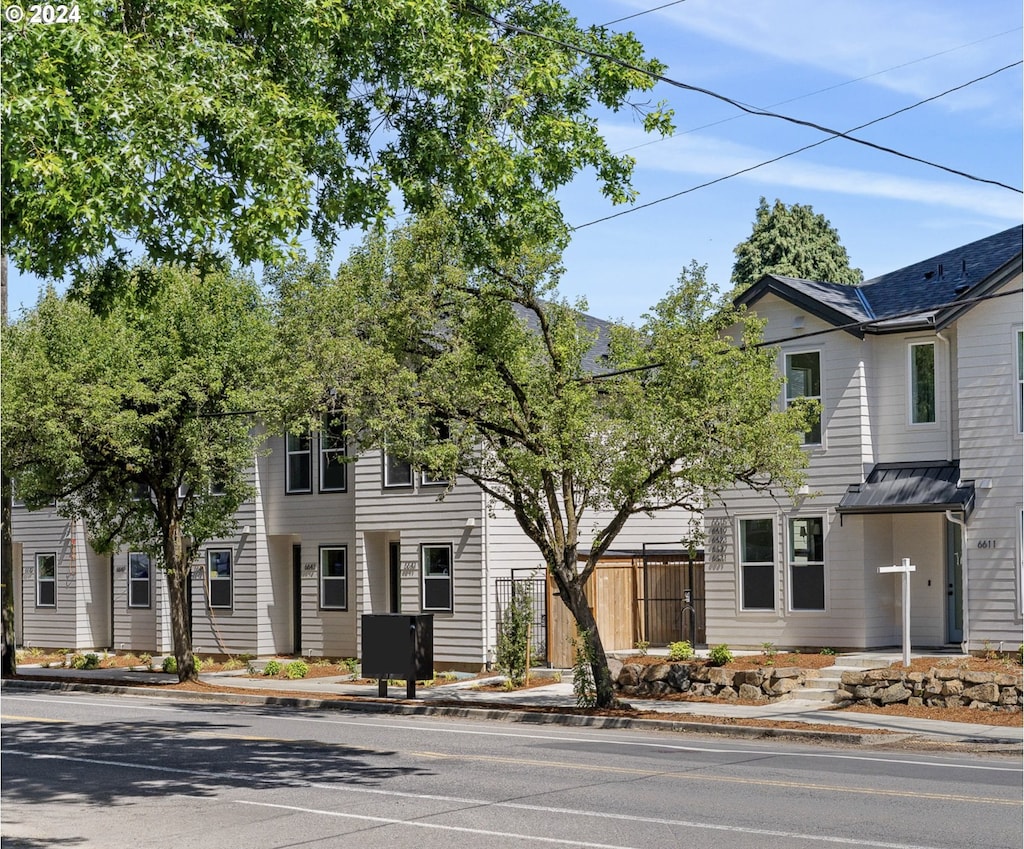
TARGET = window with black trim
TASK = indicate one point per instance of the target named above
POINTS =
(427, 477)
(334, 578)
(139, 579)
(803, 380)
(220, 577)
(46, 580)
(807, 563)
(437, 577)
(757, 564)
(396, 472)
(299, 460)
(922, 383)
(333, 468)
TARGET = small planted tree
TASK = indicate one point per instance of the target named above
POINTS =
(514, 643)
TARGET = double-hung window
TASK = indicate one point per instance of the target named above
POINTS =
(396, 472)
(333, 578)
(807, 563)
(298, 471)
(922, 383)
(333, 468)
(220, 577)
(1020, 381)
(757, 564)
(139, 579)
(46, 580)
(803, 380)
(437, 577)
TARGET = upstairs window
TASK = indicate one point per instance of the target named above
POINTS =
(139, 579)
(1020, 381)
(396, 472)
(803, 380)
(922, 383)
(299, 459)
(333, 468)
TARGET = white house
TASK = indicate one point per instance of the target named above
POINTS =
(918, 454)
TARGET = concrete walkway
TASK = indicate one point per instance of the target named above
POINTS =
(442, 698)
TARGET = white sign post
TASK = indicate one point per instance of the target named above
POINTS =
(904, 568)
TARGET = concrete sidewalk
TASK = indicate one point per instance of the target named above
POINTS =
(446, 697)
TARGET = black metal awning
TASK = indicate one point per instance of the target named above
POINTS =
(910, 488)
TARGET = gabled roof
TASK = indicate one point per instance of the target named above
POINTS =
(594, 359)
(931, 292)
(910, 488)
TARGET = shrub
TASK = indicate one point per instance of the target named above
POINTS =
(197, 662)
(720, 655)
(296, 669)
(583, 686)
(827, 651)
(146, 659)
(641, 647)
(513, 650)
(768, 652)
(680, 651)
(272, 668)
(170, 664)
(86, 661)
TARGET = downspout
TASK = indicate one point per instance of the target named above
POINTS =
(485, 553)
(966, 641)
(949, 367)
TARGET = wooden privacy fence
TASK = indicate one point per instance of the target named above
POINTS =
(656, 597)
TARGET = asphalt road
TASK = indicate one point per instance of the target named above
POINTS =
(87, 770)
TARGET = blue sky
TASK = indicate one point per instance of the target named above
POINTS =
(833, 62)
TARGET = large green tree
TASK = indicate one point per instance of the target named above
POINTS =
(193, 126)
(792, 241)
(572, 425)
(139, 419)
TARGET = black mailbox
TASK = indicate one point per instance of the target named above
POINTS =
(398, 645)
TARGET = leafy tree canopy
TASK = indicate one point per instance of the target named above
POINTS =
(235, 125)
(571, 424)
(140, 420)
(792, 241)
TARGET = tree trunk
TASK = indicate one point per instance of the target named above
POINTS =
(571, 590)
(177, 567)
(9, 664)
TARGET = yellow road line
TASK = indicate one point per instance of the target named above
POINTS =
(32, 718)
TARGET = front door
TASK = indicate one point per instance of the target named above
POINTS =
(394, 577)
(954, 584)
(296, 599)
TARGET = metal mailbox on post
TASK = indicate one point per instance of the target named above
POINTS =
(398, 645)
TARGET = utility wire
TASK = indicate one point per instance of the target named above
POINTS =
(593, 54)
(645, 12)
(824, 90)
(791, 153)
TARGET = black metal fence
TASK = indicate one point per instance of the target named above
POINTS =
(535, 587)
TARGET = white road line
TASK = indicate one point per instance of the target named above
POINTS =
(759, 832)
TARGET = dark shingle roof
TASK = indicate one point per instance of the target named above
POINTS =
(941, 279)
(594, 359)
(920, 289)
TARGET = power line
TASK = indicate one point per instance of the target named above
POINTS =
(826, 89)
(792, 152)
(645, 12)
(593, 54)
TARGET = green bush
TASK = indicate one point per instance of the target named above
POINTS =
(170, 664)
(272, 668)
(641, 647)
(768, 652)
(197, 662)
(680, 651)
(720, 655)
(296, 669)
(87, 661)
(583, 686)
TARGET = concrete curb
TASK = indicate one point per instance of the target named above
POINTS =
(504, 714)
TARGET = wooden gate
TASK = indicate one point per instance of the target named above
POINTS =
(657, 597)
